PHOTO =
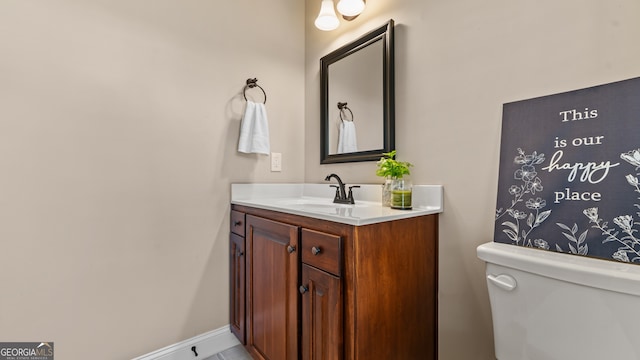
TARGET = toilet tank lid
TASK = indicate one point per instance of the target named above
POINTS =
(602, 274)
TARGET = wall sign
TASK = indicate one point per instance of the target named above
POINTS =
(570, 170)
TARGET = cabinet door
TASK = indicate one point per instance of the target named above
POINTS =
(272, 289)
(237, 286)
(321, 315)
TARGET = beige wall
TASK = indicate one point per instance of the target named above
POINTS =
(118, 126)
(457, 62)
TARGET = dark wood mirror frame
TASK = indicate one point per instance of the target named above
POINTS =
(384, 34)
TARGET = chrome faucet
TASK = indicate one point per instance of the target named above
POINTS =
(341, 194)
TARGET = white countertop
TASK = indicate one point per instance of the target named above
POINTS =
(316, 201)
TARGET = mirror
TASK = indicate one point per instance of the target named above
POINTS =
(357, 99)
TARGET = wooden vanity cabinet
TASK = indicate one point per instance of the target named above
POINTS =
(322, 290)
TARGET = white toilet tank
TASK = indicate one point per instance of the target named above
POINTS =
(552, 306)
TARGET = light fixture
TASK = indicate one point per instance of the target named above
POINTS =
(349, 9)
(327, 19)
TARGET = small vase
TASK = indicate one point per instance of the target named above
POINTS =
(401, 190)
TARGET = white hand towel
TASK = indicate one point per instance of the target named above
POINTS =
(254, 131)
(347, 142)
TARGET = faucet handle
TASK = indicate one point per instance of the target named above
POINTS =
(350, 196)
(337, 191)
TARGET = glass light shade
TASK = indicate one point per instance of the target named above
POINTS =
(327, 19)
(350, 7)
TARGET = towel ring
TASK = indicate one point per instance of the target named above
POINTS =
(342, 106)
(251, 83)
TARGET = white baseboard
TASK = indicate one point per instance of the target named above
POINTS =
(206, 344)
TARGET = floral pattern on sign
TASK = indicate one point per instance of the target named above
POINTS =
(518, 230)
(624, 234)
(579, 246)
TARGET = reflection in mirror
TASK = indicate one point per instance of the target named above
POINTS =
(347, 138)
(360, 76)
(357, 80)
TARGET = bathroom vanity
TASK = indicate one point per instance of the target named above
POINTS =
(314, 280)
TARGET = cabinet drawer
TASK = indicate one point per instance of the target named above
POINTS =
(321, 250)
(237, 222)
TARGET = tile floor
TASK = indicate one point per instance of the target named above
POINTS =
(235, 353)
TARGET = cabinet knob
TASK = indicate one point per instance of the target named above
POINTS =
(316, 250)
(291, 249)
(303, 289)
(237, 223)
(239, 253)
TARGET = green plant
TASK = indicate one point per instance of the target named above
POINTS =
(389, 167)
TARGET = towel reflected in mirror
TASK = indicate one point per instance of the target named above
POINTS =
(347, 142)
